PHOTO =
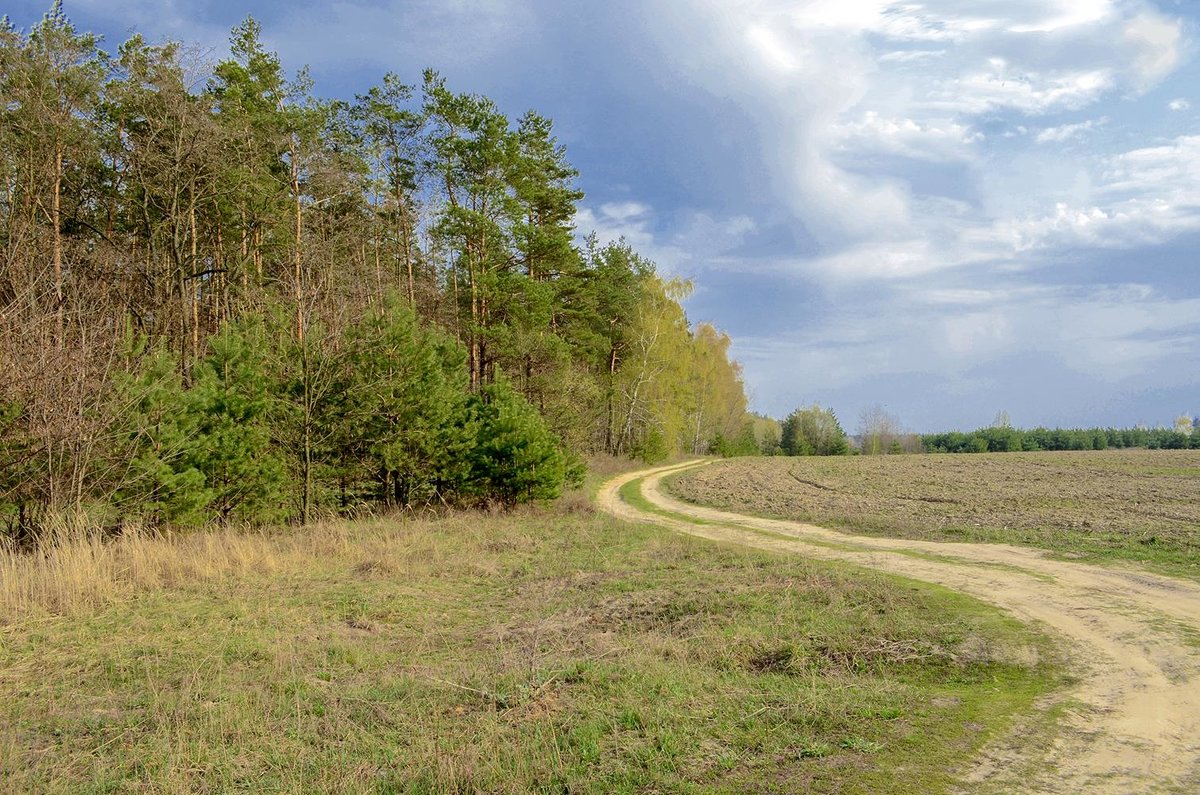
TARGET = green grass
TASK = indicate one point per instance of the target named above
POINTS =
(547, 651)
(631, 492)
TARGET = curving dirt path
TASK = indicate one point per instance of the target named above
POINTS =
(1133, 720)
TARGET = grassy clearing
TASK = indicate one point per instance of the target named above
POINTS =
(1127, 505)
(547, 651)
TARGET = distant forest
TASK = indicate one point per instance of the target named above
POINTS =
(814, 430)
(1005, 439)
(223, 298)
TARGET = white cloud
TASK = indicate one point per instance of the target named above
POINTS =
(886, 261)
(976, 334)
(1140, 197)
(766, 44)
(935, 139)
(1122, 335)
(632, 222)
(909, 56)
(696, 239)
(1067, 14)
(1107, 334)
(1156, 40)
(1066, 132)
(1002, 87)
(1170, 171)
(832, 82)
(624, 211)
(1178, 104)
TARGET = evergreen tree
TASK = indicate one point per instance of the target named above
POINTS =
(231, 397)
(813, 431)
(516, 457)
(159, 446)
(403, 415)
(251, 234)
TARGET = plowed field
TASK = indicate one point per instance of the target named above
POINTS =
(1127, 504)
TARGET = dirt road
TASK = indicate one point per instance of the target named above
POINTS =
(1132, 723)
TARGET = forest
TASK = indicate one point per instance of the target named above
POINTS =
(1006, 439)
(814, 430)
(224, 298)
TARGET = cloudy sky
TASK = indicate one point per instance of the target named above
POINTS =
(947, 207)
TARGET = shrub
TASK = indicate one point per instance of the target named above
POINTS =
(516, 457)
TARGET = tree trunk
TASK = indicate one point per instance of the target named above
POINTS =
(306, 499)
(194, 292)
(56, 226)
(612, 377)
(473, 333)
(298, 231)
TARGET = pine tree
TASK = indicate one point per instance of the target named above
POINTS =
(231, 397)
(159, 445)
(516, 457)
(402, 418)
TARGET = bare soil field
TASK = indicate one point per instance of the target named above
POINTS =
(1139, 505)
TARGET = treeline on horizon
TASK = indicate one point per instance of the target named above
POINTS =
(815, 430)
(223, 298)
(1005, 439)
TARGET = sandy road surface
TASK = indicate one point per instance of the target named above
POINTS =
(1133, 721)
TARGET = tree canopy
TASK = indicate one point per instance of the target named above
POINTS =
(228, 299)
(813, 431)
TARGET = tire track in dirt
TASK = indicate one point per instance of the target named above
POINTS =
(1133, 722)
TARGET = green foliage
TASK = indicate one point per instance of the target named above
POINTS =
(516, 457)
(161, 441)
(651, 448)
(231, 397)
(767, 432)
(1006, 439)
(813, 431)
(381, 413)
(205, 452)
(339, 286)
(745, 443)
(402, 416)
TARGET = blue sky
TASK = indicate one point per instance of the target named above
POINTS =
(947, 207)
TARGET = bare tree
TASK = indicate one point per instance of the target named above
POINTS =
(878, 430)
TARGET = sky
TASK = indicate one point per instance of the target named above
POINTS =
(947, 208)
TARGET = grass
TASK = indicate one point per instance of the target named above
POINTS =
(550, 650)
(1119, 505)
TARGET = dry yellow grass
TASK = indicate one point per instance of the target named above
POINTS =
(77, 567)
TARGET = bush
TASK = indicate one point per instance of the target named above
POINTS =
(652, 448)
(158, 436)
(516, 457)
(813, 431)
(231, 396)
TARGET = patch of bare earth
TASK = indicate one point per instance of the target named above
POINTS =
(1132, 721)
(1145, 501)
